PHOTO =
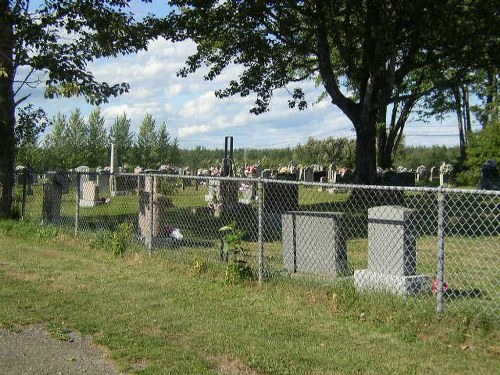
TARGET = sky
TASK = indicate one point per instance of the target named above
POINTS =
(197, 118)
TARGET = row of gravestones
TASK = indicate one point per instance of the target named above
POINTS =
(315, 243)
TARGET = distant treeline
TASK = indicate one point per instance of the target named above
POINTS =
(75, 140)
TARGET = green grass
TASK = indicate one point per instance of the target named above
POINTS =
(174, 318)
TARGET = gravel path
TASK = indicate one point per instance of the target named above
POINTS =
(33, 351)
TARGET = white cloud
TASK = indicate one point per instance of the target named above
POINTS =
(193, 130)
(197, 117)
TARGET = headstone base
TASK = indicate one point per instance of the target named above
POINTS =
(87, 203)
(395, 284)
(119, 192)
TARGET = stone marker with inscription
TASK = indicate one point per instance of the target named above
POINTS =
(314, 242)
(392, 253)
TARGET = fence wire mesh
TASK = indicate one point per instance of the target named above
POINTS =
(435, 246)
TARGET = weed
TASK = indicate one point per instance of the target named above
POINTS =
(199, 266)
(121, 239)
(46, 232)
(234, 252)
(118, 241)
(58, 331)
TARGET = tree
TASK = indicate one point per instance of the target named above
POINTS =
(487, 88)
(146, 144)
(96, 148)
(51, 44)
(55, 142)
(175, 152)
(484, 145)
(123, 139)
(365, 53)
(163, 144)
(30, 124)
(76, 140)
(339, 152)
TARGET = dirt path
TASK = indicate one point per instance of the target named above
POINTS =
(33, 351)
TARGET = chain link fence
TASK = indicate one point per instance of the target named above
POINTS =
(438, 246)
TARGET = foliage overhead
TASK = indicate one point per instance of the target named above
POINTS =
(367, 54)
(51, 43)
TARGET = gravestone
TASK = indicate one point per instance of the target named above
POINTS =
(84, 172)
(266, 173)
(301, 174)
(318, 175)
(56, 185)
(281, 197)
(392, 253)
(158, 226)
(258, 170)
(422, 173)
(344, 176)
(490, 179)
(222, 195)
(113, 170)
(445, 174)
(308, 174)
(314, 242)
(247, 193)
(434, 175)
(89, 196)
(331, 173)
(103, 182)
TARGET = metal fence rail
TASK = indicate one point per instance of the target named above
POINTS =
(425, 244)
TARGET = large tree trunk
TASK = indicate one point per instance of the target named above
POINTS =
(382, 139)
(460, 117)
(366, 152)
(7, 109)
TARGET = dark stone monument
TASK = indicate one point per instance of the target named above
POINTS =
(281, 197)
(490, 179)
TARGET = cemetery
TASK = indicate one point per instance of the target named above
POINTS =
(309, 227)
(359, 236)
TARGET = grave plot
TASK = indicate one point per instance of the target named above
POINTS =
(314, 242)
(392, 253)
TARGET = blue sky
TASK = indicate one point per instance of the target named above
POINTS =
(196, 117)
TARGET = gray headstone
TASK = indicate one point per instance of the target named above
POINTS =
(314, 242)
(392, 253)
(445, 174)
(258, 170)
(266, 173)
(421, 173)
(308, 174)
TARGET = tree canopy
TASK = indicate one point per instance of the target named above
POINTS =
(369, 55)
(51, 44)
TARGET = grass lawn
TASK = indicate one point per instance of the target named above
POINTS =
(157, 316)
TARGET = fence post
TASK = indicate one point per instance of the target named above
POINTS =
(441, 251)
(149, 240)
(260, 199)
(43, 203)
(25, 183)
(77, 205)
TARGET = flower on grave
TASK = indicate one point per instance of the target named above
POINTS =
(245, 187)
(173, 232)
(284, 170)
(435, 286)
(250, 170)
(214, 203)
